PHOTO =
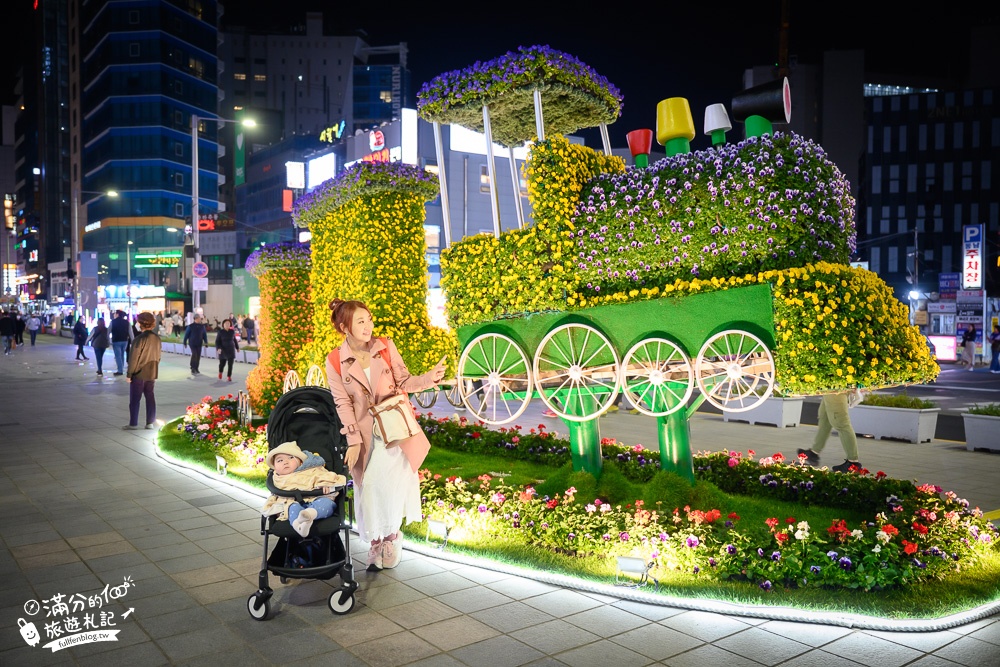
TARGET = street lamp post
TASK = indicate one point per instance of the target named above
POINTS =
(75, 242)
(246, 122)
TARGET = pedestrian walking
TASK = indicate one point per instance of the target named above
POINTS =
(100, 341)
(33, 325)
(80, 338)
(6, 331)
(19, 325)
(834, 414)
(251, 330)
(143, 369)
(995, 349)
(121, 334)
(969, 346)
(226, 348)
(195, 336)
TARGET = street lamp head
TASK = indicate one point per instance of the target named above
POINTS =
(249, 122)
(172, 230)
(914, 294)
(112, 193)
(130, 242)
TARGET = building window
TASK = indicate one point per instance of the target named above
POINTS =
(948, 177)
(911, 178)
(893, 260)
(874, 260)
(886, 139)
(966, 176)
(239, 76)
(876, 180)
(902, 139)
(939, 136)
(946, 259)
(178, 149)
(178, 118)
(985, 178)
(260, 77)
(957, 135)
(133, 17)
(133, 50)
(922, 137)
(484, 178)
(385, 96)
(179, 87)
(894, 178)
(178, 210)
(179, 180)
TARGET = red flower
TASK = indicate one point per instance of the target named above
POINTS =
(880, 475)
(790, 520)
(909, 547)
(734, 516)
(782, 537)
(552, 504)
(920, 528)
(771, 523)
(890, 529)
(779, 457)
(475, 435)
(751, 452)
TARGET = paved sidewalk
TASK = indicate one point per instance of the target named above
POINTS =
(90, 505)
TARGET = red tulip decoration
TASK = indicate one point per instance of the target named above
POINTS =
(640, 142)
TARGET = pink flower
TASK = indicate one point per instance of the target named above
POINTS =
(733, 462)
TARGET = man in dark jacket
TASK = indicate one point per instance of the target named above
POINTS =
(196, 336)
(121, 334)
(7, 330)
(19, 325)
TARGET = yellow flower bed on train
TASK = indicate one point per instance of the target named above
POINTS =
(368, 244)
(525, 270)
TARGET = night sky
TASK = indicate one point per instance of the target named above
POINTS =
(689, 50)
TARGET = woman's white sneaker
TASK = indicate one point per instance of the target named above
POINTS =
(391, 552)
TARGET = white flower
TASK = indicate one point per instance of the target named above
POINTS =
(882, 536)
(877, 548)
(857, 533)
(801, 534)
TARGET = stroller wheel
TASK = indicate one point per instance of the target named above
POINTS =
(283, 580)
(259, 610)
(341, 602)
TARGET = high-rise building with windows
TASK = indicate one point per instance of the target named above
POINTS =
(144, 69)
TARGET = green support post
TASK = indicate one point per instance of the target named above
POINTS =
(585, 442)
(674, 433)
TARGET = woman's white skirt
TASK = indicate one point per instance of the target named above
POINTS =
(390, 492)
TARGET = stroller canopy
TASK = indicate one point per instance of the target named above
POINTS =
(308, 415)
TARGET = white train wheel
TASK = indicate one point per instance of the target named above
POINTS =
(494, 378)
(576, 372)
(735, 371)
(657, 377)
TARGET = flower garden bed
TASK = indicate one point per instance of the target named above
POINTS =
(752, 529)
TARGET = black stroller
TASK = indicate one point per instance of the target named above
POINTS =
(307, 415)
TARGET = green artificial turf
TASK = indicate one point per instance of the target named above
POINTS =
(975, 586)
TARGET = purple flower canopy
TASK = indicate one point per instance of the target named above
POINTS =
(290, 254)
(576, 94)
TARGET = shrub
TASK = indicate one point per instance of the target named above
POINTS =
(903, 400)
(991, 410)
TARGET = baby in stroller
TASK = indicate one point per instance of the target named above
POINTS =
(298, 470)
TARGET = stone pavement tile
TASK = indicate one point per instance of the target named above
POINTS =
(109, 549)
(502, 651)
(22, 654)
(396, 649)
(762, 646)
(602, 654)
(81, 528)
(442, 582)
(820, 658)
(208, 532)
(561, 602)
(969, 651)
(704, 625)
(199, 643)
(554, 636)
(511, 616)
(140, 532)
(933, 661)
(870, 650)
(245, 553)
(925, 642)
(85, 583)
(606, 621)
(44, 534)
(247, 566)
(202, 497)
(518, 588)
(223, 590)
(420, 612)
(358, 627)
(171, 551)
(130, 634)
(176, 622)
(989, 633)
(187, 563)
(383, 597)
(480, 575)
(161, 603)
(654, 612)
(180, 514)
(411, 566)
(656, 641)
(47, 560)
(211, 544)
(439, 660)
(469, 600)
(40, 549)
(94, 539)
(206, 575)
(152, 586)
(455, 632)
(707, 654)
(118, 561)
(244, 656)
(192, 524)
(812, 634)
(137, 573)
(290, 646)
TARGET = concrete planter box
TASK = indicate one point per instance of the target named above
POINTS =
(981, 432)
(781, 412)
(251, 356)
(208, 352)
(895, 423)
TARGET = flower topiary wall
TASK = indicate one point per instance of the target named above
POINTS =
(285, 319)
(368, 244)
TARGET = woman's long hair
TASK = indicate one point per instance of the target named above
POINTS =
(342, 314)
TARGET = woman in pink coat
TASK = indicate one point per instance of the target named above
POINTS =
(386, 487)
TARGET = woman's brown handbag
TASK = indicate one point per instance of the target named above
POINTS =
(394, 419)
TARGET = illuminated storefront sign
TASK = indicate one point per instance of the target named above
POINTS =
(295, 175)
(116, 292)
(92, 227)
(163, 260)
(972, 257)
(334, 133)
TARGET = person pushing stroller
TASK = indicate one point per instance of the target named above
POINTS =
(299, 470)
